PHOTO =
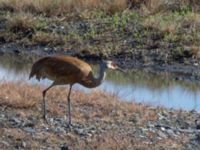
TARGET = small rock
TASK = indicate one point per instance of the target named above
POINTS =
(198, 127)
(46, 49)
(197, 138)
(171, 133)
(134, 120)
(64, 148)
(162, 135)
(20, 144)
(2, 116)
(160, 116)
(30, 130)
(23, 144)
(89, 135)
(162, 128)
(62, 27)
(79, 131)
(60, 130)
(29, 124)
(51, 120)
(15, 121)
(5, 143)
(197, 123)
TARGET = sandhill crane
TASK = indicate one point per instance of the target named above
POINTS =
(68, 70)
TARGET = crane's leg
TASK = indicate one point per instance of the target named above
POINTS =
(44, 102)
(69, 105)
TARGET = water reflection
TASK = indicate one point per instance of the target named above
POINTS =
(173, 97)
(139, 86)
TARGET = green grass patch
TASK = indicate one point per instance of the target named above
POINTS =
(45, 39)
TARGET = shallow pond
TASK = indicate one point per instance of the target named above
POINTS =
(157, 89)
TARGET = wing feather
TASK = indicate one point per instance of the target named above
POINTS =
(63, 69)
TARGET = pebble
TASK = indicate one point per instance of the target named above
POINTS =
(64, 148)
(160, 116)
(30, 130)
(198, 138)
(79, 131)
(162, 128)
(162, 135)
(60, 130)
(23, 144)
(5, 143)
(15, 121)
(170, 132)
(29, 124)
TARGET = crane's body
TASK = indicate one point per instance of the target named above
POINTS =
(62, 70)
(68, 70)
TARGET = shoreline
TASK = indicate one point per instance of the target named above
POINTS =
(180, 71)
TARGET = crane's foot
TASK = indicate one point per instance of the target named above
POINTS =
(69, 125)
(68, 122)
(45, 119)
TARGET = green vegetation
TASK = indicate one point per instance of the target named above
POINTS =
(103, 27)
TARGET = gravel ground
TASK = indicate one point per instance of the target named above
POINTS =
(100, 121)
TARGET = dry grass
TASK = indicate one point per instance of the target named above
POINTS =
(156, 22)
(116, 140)
(24, 26)
(98, 103)
(113, 141)
(14, 133)
(17, 95)
(173, 22)
(59, 7)
(191, 22)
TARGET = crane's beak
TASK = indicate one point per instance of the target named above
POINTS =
(122, 70)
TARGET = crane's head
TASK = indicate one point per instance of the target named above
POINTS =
(112, 65)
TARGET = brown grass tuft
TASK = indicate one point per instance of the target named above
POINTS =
(59, 7)
(112, 141)
(14, 133)
(86, 106)
(17, 95)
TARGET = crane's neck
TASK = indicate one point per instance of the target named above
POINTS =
(94, 82)
(102, 74)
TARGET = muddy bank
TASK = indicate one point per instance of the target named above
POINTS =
(100, 121)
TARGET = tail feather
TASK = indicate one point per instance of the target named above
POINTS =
(38, 69)
(35, 71)
(31, 74)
